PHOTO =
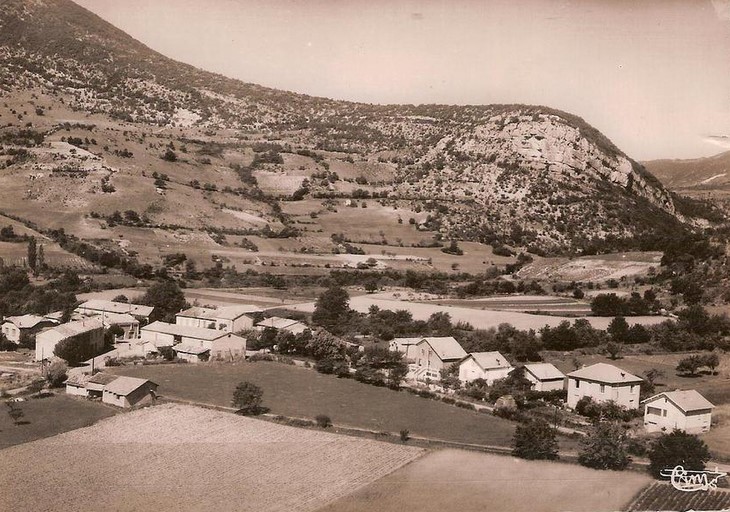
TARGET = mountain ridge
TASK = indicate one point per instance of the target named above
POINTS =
(531, 176)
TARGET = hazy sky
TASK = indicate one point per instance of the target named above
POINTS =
(653, 75)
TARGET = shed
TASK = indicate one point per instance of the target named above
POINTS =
(129, 391)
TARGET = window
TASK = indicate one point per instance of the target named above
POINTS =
(632, 388)
(664, 413)
(577, 383)
(655, 411)
(603, 388)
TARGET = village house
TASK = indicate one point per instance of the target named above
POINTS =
(126, 322)
(282, 324)
(228, 318)
(14, 328)
(688, 411)
(89, 331)
(129, 391)
(603, 382)
(76, 384)
(544, 377)
(98, 307)
(405, 346)
(87, 385)
(434, 354)
(489, 366)
(222, 345)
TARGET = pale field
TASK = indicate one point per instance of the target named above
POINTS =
(451, 480)
(592, 268)
(183, 458)
(478, 318)
(524, 303)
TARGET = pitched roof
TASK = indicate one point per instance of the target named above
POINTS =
(489, 360)
(276, 322)
(688, 400)
(73, 328)
(78, 379)
(27, 321)
(102, 378)
(602, 372)
(200, 333)
(223, 313)
(190, 349)
(544, 371)
(446, 347)
(117, 307)
(406, 341)
(125, 385)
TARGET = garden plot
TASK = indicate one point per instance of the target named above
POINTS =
(179, 458)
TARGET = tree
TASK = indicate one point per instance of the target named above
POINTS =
(167, 298)
(535, 440)
(605, 447)
(332, 309)
(712, 361)
(56, 374)
(15, 412)
(618, 329)
(121, 298)
(678, 449)
(371, 285)
(111, 335)
(169, 156)
(690, 365)
(396, 375)
(613, 349)
(41, 258)
(75, 350)
(248, 397)
(32, 254)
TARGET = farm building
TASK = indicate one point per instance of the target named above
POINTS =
(161, 334)
(191, 353)
(129, 391)
(89, 331)
(406, 346)
(284, 324)
(228, 318)
(98, 307)
(433, 354)
(15, 327)
(603, 382)
(96, 384)
(544, 377)
(489, 366)
(76, 384)
(688, 411)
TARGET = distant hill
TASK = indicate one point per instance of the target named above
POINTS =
(123, 127)
(710, 172)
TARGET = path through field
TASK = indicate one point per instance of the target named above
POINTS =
(181, 458)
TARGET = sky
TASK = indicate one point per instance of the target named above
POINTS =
(653, 75)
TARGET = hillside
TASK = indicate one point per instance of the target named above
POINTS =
(93, 122)
(708, 173)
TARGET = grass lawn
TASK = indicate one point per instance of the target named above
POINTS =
(300, 392)
(45, 417)
(469, 481)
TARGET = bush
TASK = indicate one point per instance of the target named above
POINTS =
(678, 449)
(247, 397)
(605, 448)
(535, 440)
(323, 421)
(56, 374)
(405, 435)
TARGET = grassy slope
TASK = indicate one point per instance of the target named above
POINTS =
(466, 481)
(48, 417)
(300, 392)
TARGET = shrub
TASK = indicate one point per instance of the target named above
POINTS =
(56, 374)
(247, 397)
(323, 421)
(405, 435)
(678, 449)
(605, 448)
(535, 440)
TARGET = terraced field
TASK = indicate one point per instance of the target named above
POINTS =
(662, 496)
(180, 458)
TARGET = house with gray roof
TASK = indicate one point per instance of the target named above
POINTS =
(489, 366)
(433, 354)
(544, 377)
(227, 318)
(13, 327)
(603, 382)
(687, 411)
(129, 391)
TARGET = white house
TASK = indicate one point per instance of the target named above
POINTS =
(431, 355)
(406, 346)
(128, 323)
(544, 377)
(221, 344)
(228, 318)
(128, 391)
(603, 382)
(489, 366)
(98, 306)
(89, 331)
(284, 324)
(682, 410)
(13, 327)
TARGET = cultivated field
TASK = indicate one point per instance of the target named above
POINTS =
(662, 496)
(180, 458)
(479, 318)
(474, 482)
(524, 304)
(304, 393)
(592, 268)
(45, 417)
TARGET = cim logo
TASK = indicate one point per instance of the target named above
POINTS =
(692, 481)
